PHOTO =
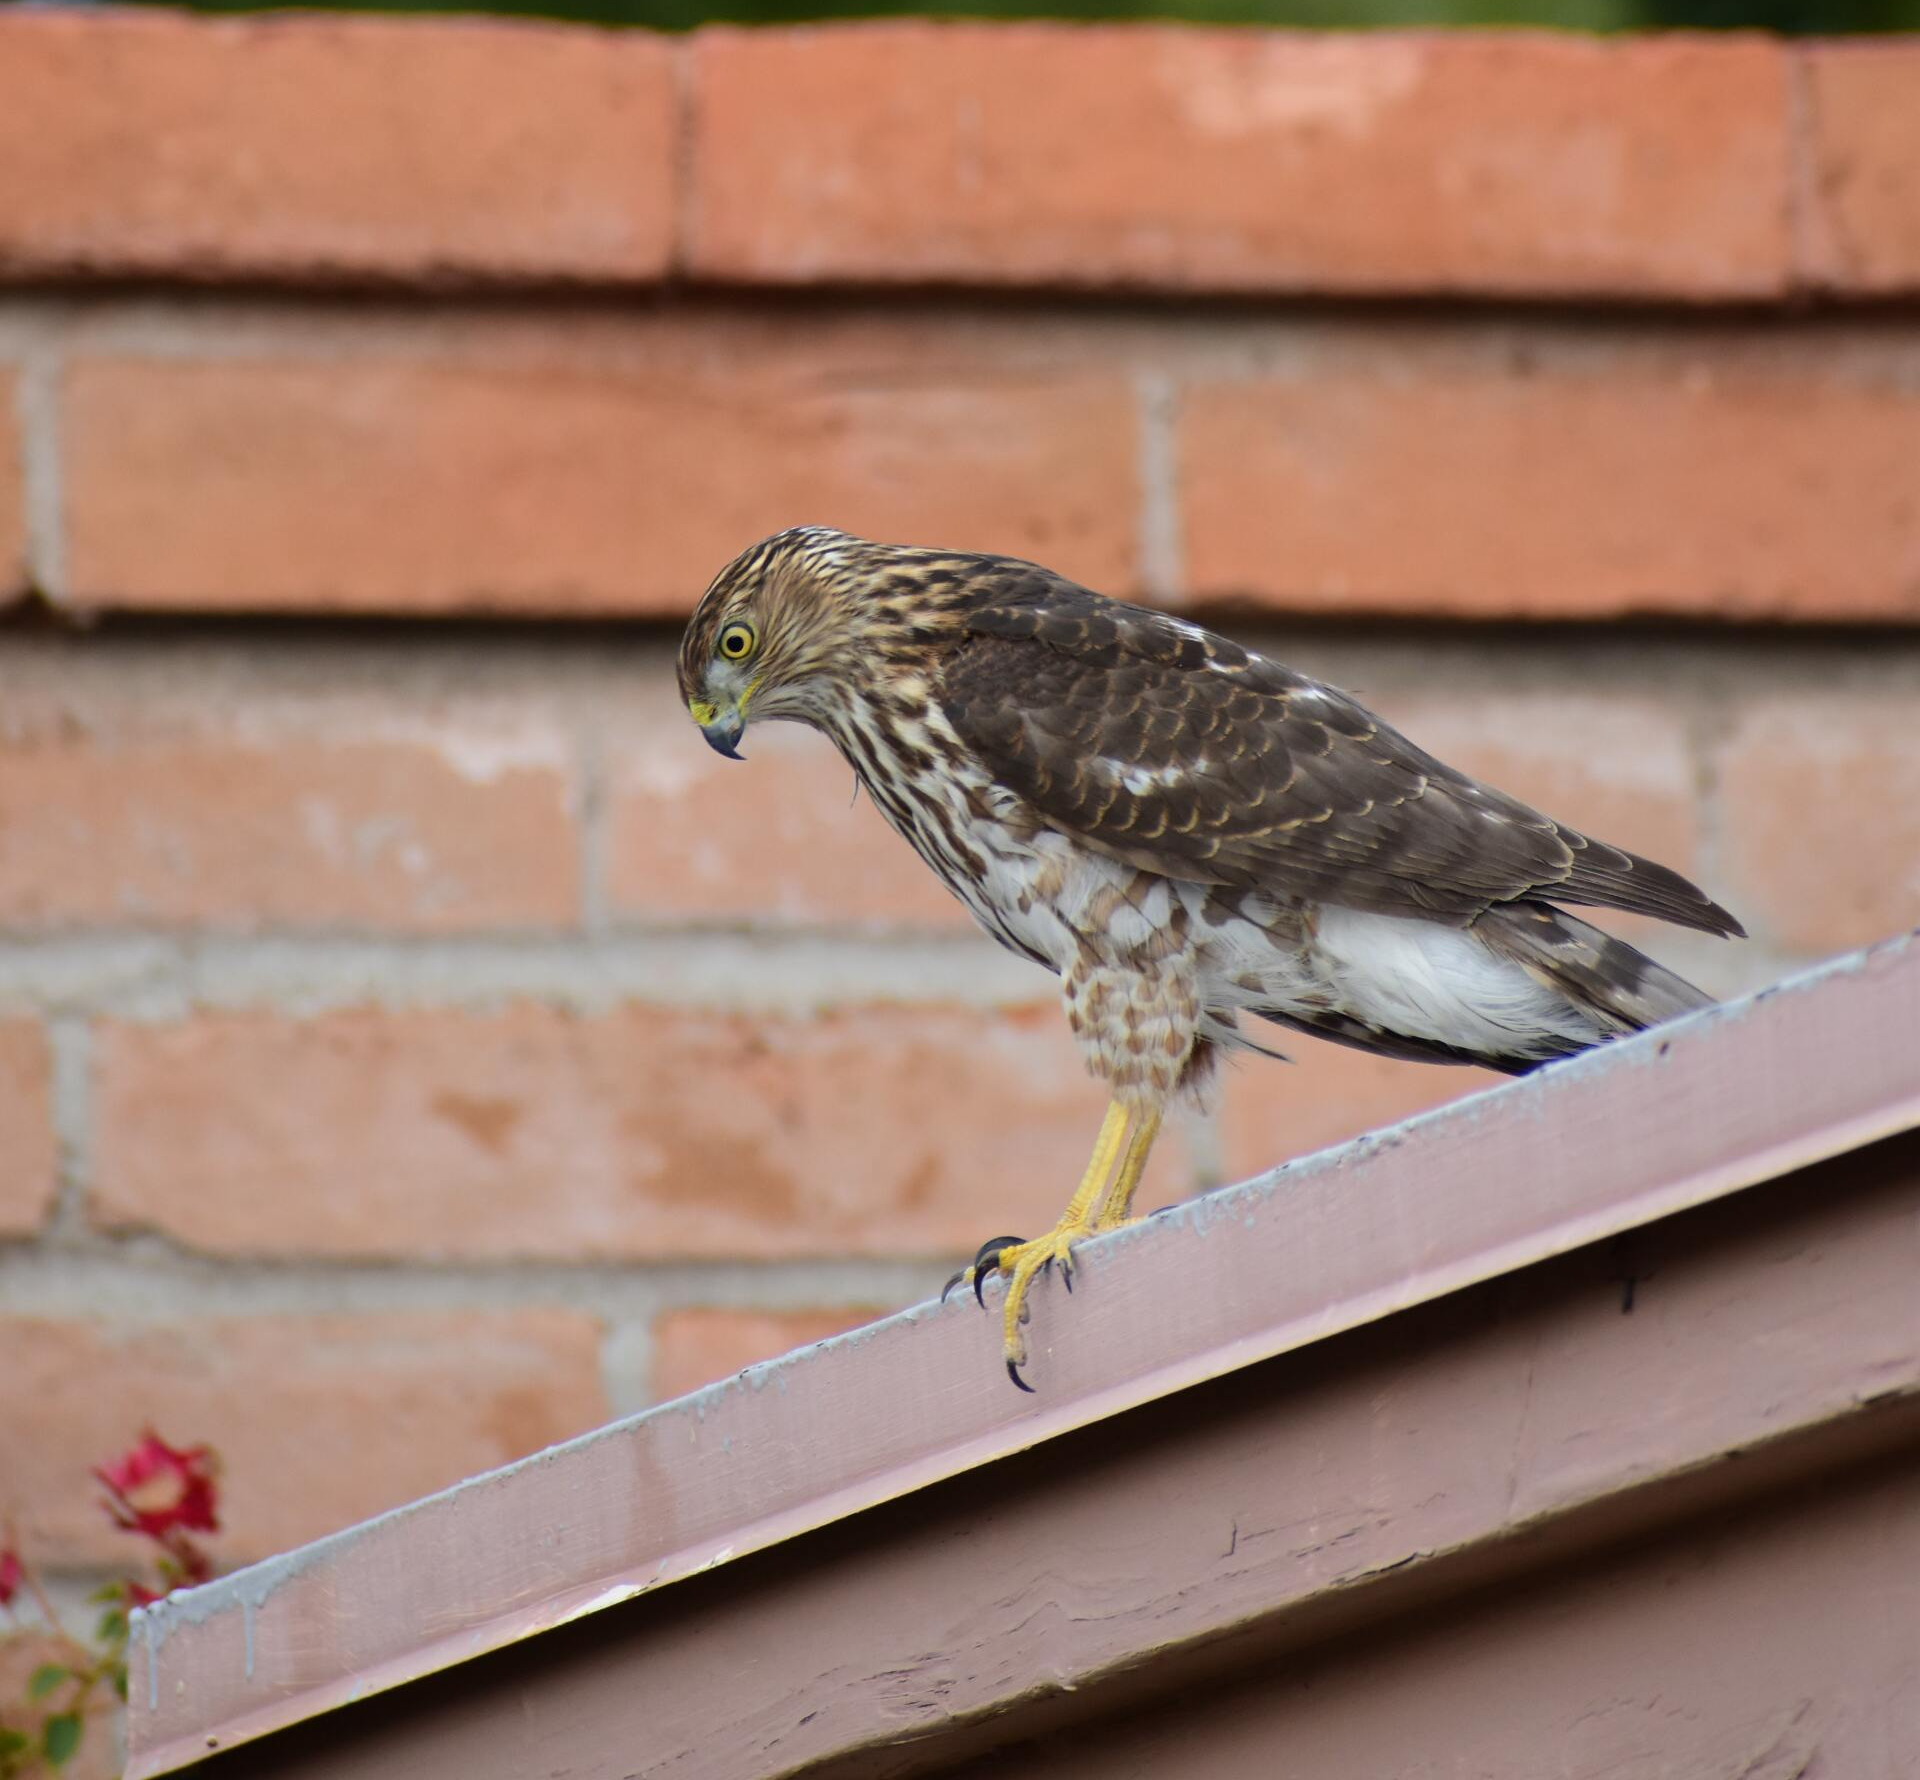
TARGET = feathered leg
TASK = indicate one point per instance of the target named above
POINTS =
(1138, 1022)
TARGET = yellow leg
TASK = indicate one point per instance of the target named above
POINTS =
(1108, 1148)
(1117, 1208)
(1113, 1171)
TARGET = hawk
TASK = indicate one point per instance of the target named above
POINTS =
(1182, 830)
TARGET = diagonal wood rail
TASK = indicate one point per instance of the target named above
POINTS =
(1303, 1261)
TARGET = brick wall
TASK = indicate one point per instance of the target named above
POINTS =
(414, 1044)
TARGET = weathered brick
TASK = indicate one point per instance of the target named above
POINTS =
(1270, 1113)
(319, 1421)
(641, 1133)
(13, 494)
(1241, 160)
(695, 837)
(695, 1347)
(1728, 476)
(138, 142)
(600, 485)
(1820, 808)
(29, 1155)
(117, 814)
(1863, 149)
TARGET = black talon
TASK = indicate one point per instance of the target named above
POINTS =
(957, 1278)
(986, 1260)
(1013, 1372)
(989, 1251)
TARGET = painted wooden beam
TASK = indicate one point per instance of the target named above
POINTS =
(1294, 1263)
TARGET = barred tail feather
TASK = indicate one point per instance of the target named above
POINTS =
(1623, 989)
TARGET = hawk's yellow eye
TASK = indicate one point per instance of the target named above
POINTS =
(737, 641)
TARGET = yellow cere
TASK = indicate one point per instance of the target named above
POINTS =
(702, 712)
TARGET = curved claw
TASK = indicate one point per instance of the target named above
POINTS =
(988, 1254)
(958, 1279)
(984, 1263)
(1013, 1372)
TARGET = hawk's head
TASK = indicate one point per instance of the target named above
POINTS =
(771, 633)
(795, 625)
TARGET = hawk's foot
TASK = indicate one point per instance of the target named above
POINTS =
(1103, 1201)
(1023, 1263)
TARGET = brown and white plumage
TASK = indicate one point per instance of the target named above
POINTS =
(1180, 828)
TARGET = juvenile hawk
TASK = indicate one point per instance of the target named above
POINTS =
(1181, 830)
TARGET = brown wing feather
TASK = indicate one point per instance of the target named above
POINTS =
(1181, 752)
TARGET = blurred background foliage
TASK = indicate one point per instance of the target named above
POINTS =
(1797, 17)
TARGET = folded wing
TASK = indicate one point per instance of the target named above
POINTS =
(1180, 752)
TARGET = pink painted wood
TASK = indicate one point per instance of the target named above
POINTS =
(1519, 1440)
(1737, 1096)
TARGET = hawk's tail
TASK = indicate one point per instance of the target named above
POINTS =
(1622, 989)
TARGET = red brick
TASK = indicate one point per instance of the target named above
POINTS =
(117, 816)
(29, 1156)
(1863, 113)
(643, 1133)
(695, 1347)
(620, 484)
(1731, 477)
(1820, 804)
(13, 493)
(139, 143)
(1271, 1113)
(1241, 160)
(319, 1421)
(780, 841)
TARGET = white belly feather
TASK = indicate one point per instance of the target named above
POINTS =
(1440, 983)
(1062, 904)
(1407, 976)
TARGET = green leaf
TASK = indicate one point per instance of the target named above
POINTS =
(45, 1679)
(61, 1738)
(120, 1680)
(112, 1627)
(109, 1591)
(12, 1742)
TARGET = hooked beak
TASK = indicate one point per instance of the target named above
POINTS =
(721, 728)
